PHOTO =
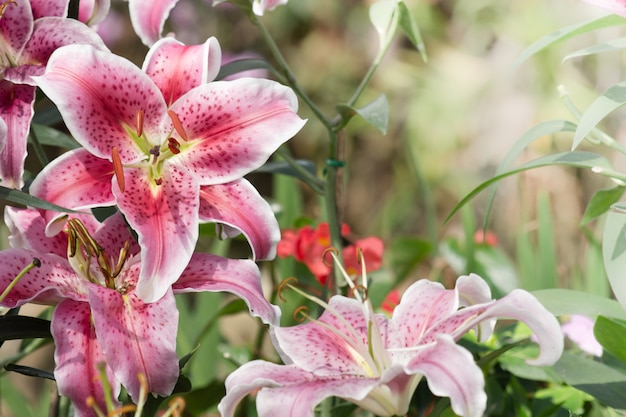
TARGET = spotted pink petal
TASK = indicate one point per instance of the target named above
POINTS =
(177, 68)
(49, 34)
(235, 126)
(148, 18)
(615, 6)
(239, 205)
(52, 282)
(165, 218)
(287, 390)
(315, 348)
(27, 231)
(16, 111)
(16, 27)
(423, 304)
(77, 355)
(76, 180)
(451, 372)
(99, 95)
(43, 8)
(207, 272)
(137, 337)
(113, 233)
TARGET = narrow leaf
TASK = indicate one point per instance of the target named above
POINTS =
(601, 202)
(610, 46)
(29, 371)
(575, 159)
(19, 197)
(242, 65)
(385, 18)
(23, 327)
(53, 137)
(282, 167)
(567, 33)
(613, 98)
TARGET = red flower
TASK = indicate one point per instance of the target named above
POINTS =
(307, 245)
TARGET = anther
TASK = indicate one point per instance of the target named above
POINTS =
(158, 181)
(117, 168)
(177, 125)
(139, 122)
(4, 5)
(173, 146)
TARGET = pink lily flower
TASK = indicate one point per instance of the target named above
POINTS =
(377, 362)
(99, 318)
(27, 38)
(615, 6)
(168, 147)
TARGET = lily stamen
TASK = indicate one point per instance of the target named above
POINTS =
(173, 145)
(178, 126)
(117, 168)
(4, 5)
(139, 116)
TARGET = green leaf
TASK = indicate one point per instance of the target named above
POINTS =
(384, 16)
(614, 251)
(53, 137)
(611, 334)
(539, 131)
(595, 378)
(565, 302)
(610, 46)
(406, 254)
(29, 371)
(375, 112)
(574, 159)
(612, 98)
(242, 65)
(411, 30)
(19, 197)
(23, 327)
(200, 400)
(282, 167)
(567, 33)
(601, 202)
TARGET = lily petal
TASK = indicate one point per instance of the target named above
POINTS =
(260, 6)
(423, 304)
(98, 95)
(49, 34)
(518, 305)
(165, 218)
(16, 27)
(77, 355)
(50, 283)
(113, 233)
(27, 228)
(235, 126)
(239, 205)
(287, 390)
(177, 68)
(615, 6)
(92, 12)
(43, 8)
(16, 110)
(76, 180)
(451, 372)
(137, 338)
(207, 272)
(148, 18)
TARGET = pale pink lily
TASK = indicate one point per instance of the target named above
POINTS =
(615, 6)
(376, 362)
(167, 147)
(261, 6)
(27, 38)
(99, 318)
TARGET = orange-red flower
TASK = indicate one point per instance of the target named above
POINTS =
(308, 245)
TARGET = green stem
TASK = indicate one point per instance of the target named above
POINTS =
(333, 164)
(311, 180)
(289, 77)
(36, 263)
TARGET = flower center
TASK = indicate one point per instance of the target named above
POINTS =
(6, 52)
(89, 259)
(155, 154)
